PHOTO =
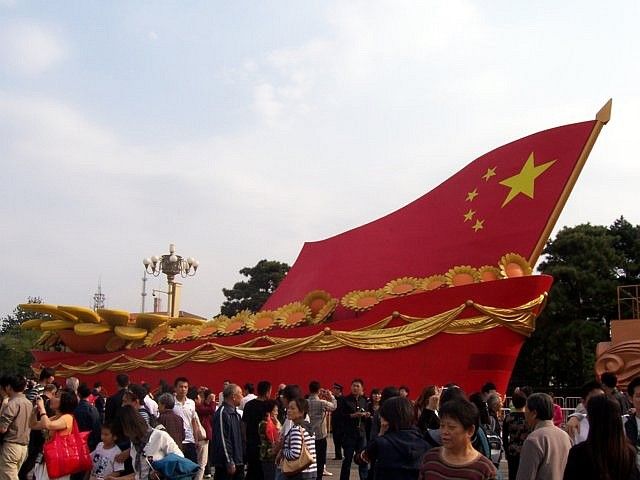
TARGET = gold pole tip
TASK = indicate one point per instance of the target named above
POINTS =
(604, 115)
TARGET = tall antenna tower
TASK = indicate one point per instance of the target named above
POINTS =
(99, 297)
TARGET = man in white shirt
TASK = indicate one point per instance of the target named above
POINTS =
(578, 423)
(150, 404)
(186, 409)
(249, 395)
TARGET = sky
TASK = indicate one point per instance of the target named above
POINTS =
(239, 130)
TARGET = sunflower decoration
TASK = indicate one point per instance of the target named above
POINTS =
(182, 333)
(433, 282)
(361, 300)
(207, 329)
(462, 275)
(325, 312)
(114, 344)
(262, 321)
(293, 314)
(178, 321)
(157, 336)
(401, 286)
(316, 300)
(514, 265)
(489, 273)
(235, 324)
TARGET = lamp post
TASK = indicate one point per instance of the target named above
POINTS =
(171, 265)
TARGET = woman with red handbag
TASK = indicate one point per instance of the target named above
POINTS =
(65, 452)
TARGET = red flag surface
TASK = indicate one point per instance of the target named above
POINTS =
(500, 203)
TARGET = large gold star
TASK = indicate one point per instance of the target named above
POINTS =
(490, 173)
(469, 215)
(524, 181)
(471, 195)
(478, 225)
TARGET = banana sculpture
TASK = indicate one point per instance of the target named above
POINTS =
(87, 331)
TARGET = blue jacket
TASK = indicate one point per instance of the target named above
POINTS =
(228, 447)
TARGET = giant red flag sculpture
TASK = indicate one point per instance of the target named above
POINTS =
(439, 291)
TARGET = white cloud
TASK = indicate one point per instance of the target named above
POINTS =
(153, 36)
(29, 48)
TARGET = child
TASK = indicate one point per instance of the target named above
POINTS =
(104, 456)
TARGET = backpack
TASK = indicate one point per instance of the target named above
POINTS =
(495, 444)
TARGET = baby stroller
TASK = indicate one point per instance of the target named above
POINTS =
(172, 467)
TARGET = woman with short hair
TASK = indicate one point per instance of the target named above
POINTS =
(457, 458)
(301, 431)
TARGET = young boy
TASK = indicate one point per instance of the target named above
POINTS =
(104, 456)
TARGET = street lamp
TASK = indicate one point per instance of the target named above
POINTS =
(171, 265)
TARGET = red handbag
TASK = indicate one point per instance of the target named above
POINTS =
(67, 454)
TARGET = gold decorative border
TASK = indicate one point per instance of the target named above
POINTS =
(520, 319)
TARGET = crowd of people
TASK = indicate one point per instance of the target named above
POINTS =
(263, 433)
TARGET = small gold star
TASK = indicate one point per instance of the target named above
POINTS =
(469, 215)
(472, 195)
(478, 225)
(490, 173)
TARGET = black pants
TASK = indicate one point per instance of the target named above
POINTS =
(221, 473)
(514, 463)
(190, 452)
(254, 465)
(337, 443)
(321, 456)
(352, 445)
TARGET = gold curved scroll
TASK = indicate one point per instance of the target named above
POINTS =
(373, 337)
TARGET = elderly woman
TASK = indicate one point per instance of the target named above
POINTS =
(146, 443)
(300, 432)
(63, 405)
(396, 453)
(457, 458)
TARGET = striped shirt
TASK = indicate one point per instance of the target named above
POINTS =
(434, 467)
(35, 392)
(293, 446)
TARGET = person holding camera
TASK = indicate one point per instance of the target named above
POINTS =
(321, 402)
(354, 411)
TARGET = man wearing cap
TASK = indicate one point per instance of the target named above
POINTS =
(337, 422)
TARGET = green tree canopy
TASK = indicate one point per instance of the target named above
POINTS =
(15, 343)
(587, 263)
(251, 294)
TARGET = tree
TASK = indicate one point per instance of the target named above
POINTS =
(251, 294)
(587, 263)
(15, 343)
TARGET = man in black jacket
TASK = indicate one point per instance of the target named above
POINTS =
(228, 446)
(114, 402)
(354, 412)
(88, 419)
